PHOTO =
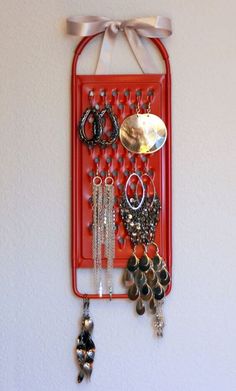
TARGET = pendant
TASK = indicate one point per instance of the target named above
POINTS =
(143, 133)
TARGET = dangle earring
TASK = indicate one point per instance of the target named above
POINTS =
(97, 231)
(104, 113)
(109, 228)
(146, 279)
(85, 348)
(143, 133)
(90, 112)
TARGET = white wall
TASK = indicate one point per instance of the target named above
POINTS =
(39, 314)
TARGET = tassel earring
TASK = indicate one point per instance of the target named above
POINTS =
(109, 228)
(97, 231)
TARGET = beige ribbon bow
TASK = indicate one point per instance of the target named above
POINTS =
(134, 29)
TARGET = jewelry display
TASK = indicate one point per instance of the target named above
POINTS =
(143, 133)
(116, 209)
(85, 348)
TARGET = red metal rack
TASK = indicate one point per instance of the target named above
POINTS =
(83, 165)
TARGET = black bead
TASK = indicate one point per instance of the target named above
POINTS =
(144, 263)
(145, 290)
(158, 292)
(156, 261)
(164, 277)
(132, 264)
(90, 344)
(80, 377)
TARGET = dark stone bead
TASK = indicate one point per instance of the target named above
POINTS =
(132, 263)
(144, 263)
(145, 289)
(164, 277)
(90, 344)
(158, 292)
(156, 261)
(80, 377)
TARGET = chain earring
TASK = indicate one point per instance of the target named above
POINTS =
(109, 228)
(97, 231)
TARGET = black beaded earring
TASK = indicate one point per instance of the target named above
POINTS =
(97, 129)
(108, 112)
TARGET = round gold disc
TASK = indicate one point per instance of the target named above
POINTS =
(143, 133)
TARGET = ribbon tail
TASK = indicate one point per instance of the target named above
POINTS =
(105, 56)
(140, 51)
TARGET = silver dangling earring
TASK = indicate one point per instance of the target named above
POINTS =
(109, 228)
(85, 348)
(97, 231)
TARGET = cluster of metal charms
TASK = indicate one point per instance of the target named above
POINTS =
(140, 217)
(147, 280)
(85, 349)
(98, 119)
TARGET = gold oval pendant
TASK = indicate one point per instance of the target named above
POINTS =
(143, 133)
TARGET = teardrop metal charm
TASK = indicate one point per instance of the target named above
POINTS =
(80, 376)
(146, 292)
(140, 278)
(150, 275)
(81, 354)
(133, 292)
(90, 356)
(140, 308)
(152, 306)
(87, 369)
(88, 325)
(128, 278)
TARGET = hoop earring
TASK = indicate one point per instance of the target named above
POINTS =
(133, 207)
(97, 123)
(107, 110)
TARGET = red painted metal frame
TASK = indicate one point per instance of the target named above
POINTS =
(166, 169)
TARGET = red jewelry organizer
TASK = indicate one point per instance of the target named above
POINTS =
(84, 167)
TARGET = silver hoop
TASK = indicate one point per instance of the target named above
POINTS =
(97, 181)
(143, 189)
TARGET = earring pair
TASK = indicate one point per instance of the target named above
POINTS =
(103, 229)
(98, 119)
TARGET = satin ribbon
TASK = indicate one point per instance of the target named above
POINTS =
(134, 30)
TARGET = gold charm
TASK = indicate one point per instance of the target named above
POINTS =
(143, 133)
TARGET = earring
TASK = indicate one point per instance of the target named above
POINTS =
(85, 348)
(109, 228)
(146, 279)
(97, 231)
(143, 133)
(96, 125)
(107, 112)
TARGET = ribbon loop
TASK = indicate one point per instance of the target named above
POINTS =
(134, 30)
